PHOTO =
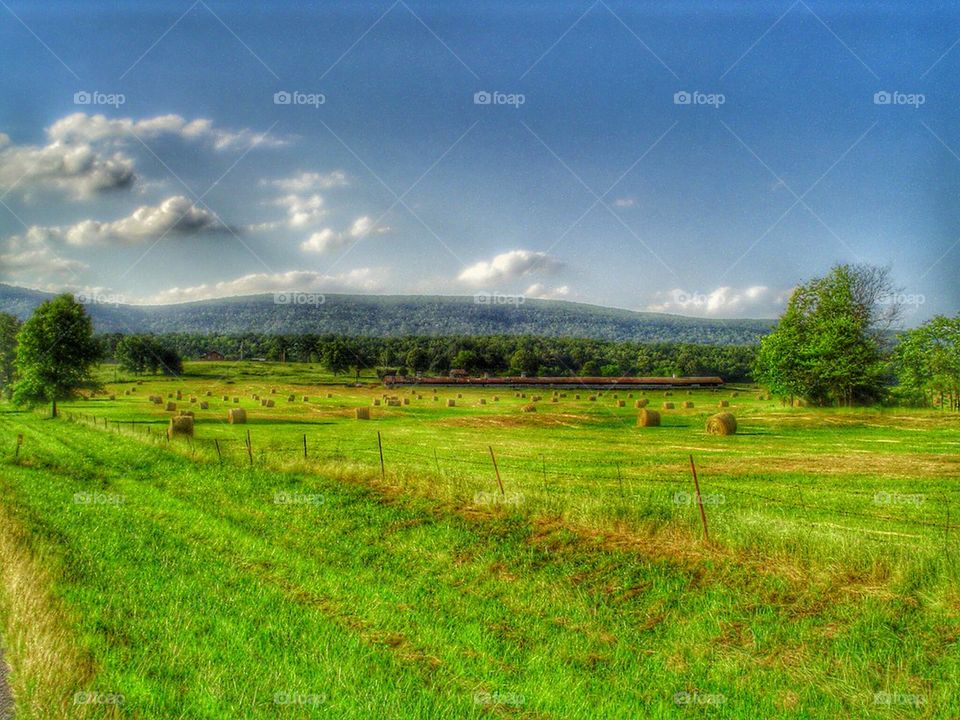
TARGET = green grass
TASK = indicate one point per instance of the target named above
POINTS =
(198, 588)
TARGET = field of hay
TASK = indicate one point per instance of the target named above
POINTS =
(578, 584)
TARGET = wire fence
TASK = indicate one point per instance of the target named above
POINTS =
(503, 472)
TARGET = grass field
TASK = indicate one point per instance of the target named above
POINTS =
(195, 579)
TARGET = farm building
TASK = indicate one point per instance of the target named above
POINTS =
(602, 383)
(212, 355)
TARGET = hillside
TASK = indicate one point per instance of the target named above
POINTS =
(398, 315)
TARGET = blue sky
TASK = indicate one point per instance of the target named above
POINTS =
(587, 176)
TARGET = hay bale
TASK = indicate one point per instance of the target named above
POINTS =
(180, 426)
(687, 404)
(169, 396)
(734, 394)
(436, 398)
(667, 393)
(419, 397)
(236, 400)
(329, 395)
(648, 418)
(114, 397)
(305, 399)
(641, 403)
(406, 401)
(236, 416)
(459, 396)
(273, 391)
(225, 398)
(721, 424)
(529, 407)
(179, 395)
(376, 401)
(451, 402)
(496, 398)
(186, 413)
(576, 397)
(536, 398)
(256, 397)
(668, 406)
(269, 403)
(171, 406)
(393, 402)
(723, 403)
(362, 413)
(689, 392)
(290, 398)
(555, 399)
(483, 401)
(208, 393)
(204, 405)
(621, 403)
(193, 399)
(592, 398)
(125, 392)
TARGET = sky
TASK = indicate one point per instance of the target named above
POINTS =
(692, 158)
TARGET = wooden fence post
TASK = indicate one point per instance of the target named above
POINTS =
(304, 446)
(383, 472)
(703, 513)
(496, 470)
(249, 448)
(216, 444)
(16, 453)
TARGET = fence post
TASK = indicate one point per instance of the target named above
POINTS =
(543, 468)
(496, 470)
(383, 472)
(249, 448)
(217, 445)
(703, 513)
(16, 453)
(304, 446)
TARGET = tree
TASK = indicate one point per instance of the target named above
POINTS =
(9, 327)
(927, 361)
(144, 353)
(336, 358)
(56, 352)
(827, 345)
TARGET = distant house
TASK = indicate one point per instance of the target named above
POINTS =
(212, 355)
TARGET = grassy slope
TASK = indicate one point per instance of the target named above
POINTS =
(199, 596)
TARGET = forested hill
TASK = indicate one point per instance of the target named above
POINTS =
(399, 315)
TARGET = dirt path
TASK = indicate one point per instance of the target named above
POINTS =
(6, 699)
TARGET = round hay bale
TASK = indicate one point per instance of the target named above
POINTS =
(687, 404)
(406, 401)
(436, 398)
(621, 403)
(290, 398)
(483, 401)
(576, 397)
(555, 399)
(529, 407)
(496, 398)
(721, 424)
(329, 395)
(256, 397)
(193, 399)
(236, 416)
(648, 418)
(169, 396)
(668, 406)
(305, 399)
(114, 397)
(225, 398)
(536, 398)
(376, 401)
(723, 403)
(236, 400)
(451, 402)
(362, 413)
(459, 396)
(270, 403)
(179, 395)
(208, 393)
(592, 398)
(667, 393)
(186, 413)
(204, 405)
(273, 391)
(419, 397)
(171, 407)
(641, 403)
(180, 426)
(393, 402)
(689, 392)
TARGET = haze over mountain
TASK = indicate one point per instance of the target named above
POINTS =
(395, 315)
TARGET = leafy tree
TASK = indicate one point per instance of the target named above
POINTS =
(927, 361)
(827, 346)
(56, 352)
(336, 358)
(9, 327)
(524, 361)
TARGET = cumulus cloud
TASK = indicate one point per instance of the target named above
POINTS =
(29, 264)
(757, 301)
(326, 240)
(542, 292)
(175, 216)
(87, 154)
(305, 182)
(509, 266)
(82, 128)
(295, 281)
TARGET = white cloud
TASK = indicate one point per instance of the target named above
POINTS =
(83, 128)
(509, 266)
(305, 182)
(175, 216)
(358, 280)
(542, 292)
(78, 170)
(302, 210)
(754, 301)
(38, 262)
(326, 239)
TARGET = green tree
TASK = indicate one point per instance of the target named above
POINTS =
(336, 357)
(927, 361)
(56, 352)
(9, 327)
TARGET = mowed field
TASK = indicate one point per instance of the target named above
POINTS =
(296, 578)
